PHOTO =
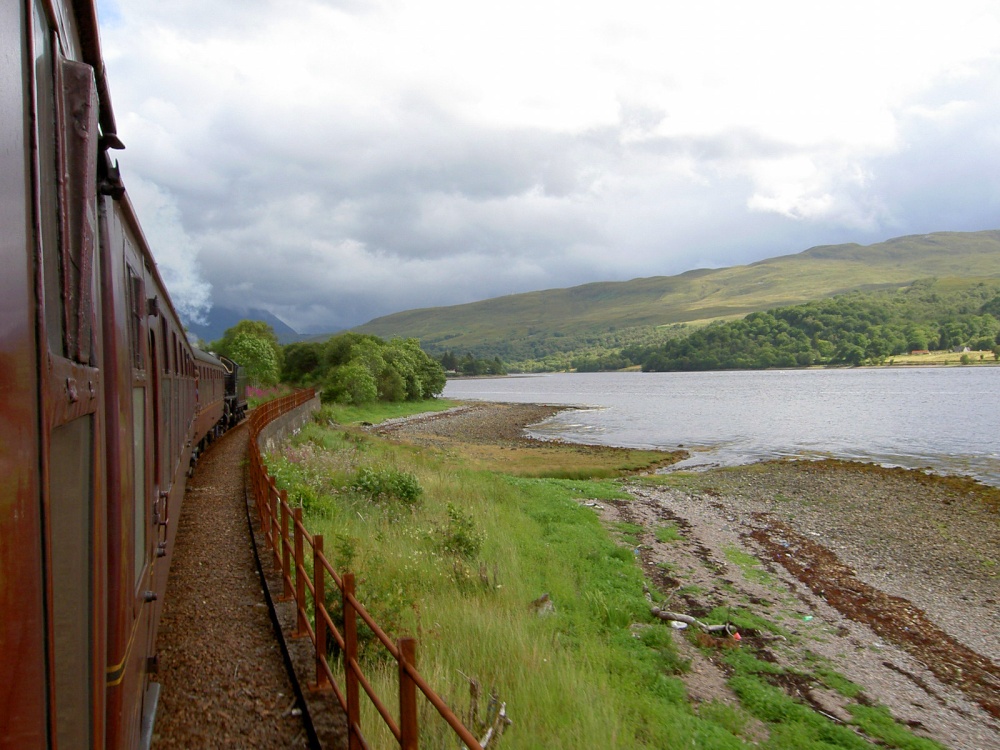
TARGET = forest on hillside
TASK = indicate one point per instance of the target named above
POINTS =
(850, 329)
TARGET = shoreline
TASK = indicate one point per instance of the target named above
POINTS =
(849, 550)
(636, 369)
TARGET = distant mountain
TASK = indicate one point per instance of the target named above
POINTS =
(531, 325)
(222, 318)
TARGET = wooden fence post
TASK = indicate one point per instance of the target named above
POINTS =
(409, 735)
(273, 498)
(300, 578)
(351, 656)
(286, 568)
(259, 488)
(319, 602)
(255, 472)
(265, 517)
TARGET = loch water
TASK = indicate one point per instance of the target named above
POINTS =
(946, 419)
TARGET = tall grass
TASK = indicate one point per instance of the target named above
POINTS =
(579, 675)
(514, 583)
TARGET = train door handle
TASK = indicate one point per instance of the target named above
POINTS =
(162, 519)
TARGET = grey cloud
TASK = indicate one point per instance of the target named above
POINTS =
(329, 218)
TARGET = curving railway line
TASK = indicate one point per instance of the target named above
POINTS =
(224, 681)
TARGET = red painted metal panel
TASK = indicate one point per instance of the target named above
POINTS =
(71, 515)
(22, 658)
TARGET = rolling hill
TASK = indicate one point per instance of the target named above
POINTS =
(530, 325)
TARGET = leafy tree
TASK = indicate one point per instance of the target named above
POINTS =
(992, 307)
(852, 329)
(397, 370)
(428, 374)
(337, 350)
(257, 357)
(254, 329)
(351, 383)
(301, 361)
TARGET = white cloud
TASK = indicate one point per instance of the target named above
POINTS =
(175, 251)
(317, 152)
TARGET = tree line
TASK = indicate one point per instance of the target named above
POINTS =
(470, 365)
(851, 329)
(350, 368)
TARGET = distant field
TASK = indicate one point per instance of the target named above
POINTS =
(943, 358)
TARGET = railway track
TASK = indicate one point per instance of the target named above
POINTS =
(224, 682)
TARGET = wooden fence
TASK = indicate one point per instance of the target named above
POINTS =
(287, 539)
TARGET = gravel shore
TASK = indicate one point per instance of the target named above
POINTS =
(485, 422)
(891, 576)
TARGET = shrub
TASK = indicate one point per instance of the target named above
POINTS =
(460, 536)
(386, 484)
(350, 384)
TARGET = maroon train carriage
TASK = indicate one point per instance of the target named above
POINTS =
(102, 402)
(211, 388)
(222, 396)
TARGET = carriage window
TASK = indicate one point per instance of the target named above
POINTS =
(163, 337)
(48, 219)
(71, 522)
(66, 134)
(136, 303)
(77, 108)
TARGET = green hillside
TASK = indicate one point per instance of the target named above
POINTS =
(610, 315)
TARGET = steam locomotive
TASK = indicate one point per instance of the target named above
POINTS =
(103, 402)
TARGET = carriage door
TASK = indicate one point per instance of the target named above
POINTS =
(71, 391)
(156, 501)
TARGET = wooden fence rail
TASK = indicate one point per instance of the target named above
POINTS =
(288, 539)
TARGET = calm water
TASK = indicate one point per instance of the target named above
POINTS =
(947, 419)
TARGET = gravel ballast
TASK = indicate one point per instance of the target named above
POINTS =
(224, 682)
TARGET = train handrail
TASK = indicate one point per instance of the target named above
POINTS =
(287, 537)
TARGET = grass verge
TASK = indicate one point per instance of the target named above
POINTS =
(513, 582)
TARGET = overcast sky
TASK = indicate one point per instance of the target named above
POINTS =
(336, 160)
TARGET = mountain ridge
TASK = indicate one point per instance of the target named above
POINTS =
(699, 295)
(219, 319)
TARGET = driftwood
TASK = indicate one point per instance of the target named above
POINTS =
(494, 722)
(500, 723)
(664, 614)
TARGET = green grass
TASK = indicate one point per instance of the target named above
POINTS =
(794, 726)
(459, 565)
(668, 533)
(382, 410)
(629, 532)
(745, 619)
(875, 721)
(838, 682)
(750, 565)
(474, 616)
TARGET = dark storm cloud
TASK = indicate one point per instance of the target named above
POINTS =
(337, 161)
